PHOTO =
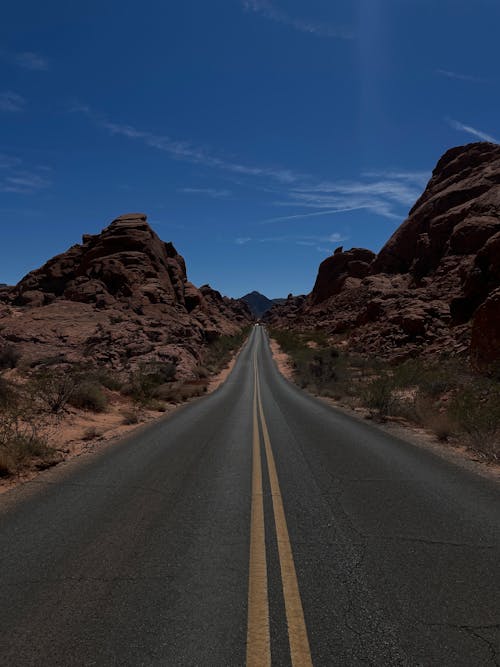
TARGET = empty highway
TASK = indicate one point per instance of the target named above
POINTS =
(256, 526)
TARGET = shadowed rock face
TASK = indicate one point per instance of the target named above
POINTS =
(119, 297)
(258, 303)
(434, 281)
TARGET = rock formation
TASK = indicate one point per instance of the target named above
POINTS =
(118, 298)
(434, 286)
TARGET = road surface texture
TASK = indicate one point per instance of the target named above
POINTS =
(256, 526)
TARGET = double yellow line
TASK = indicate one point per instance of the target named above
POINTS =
(258, 634)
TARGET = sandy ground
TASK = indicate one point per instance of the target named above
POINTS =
(454, 450)
(282, 360)
(80, 433)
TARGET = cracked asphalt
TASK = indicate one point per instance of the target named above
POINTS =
(139, 555)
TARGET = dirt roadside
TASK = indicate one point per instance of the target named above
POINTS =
(81, 433)
(454, 450)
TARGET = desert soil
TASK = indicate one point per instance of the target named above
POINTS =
(81, 433)
(454, 450)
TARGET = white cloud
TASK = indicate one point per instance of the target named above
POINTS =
(10, 101)
(30, 60)
(479, 134)
(308, 240)
(209, 192)
(459, 77)
(385, 193)
(186, 151)
(267, 9)
(242, 240)
(18, 179)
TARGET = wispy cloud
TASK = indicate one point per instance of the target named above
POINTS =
(460, 77)
(268, 10)
(18, 179)
(479, 134)
(29, 60)
(208, 192)
(184, 150)
(387, 193)
(187, 151)
(299, 216)
(309, 241)
(10, 101)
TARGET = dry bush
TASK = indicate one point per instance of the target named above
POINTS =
(475, 410)
(108, 379)
(22, 437)
(144, 382)
(52, 389)
(88, 395)
(131, 416)
(91, 433)
(378, 396)
(218, 352)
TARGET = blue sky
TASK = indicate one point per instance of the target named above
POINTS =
(257, 135)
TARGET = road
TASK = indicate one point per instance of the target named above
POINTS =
(255, 526)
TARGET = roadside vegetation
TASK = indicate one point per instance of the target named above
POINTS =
(34, 402)
(444, 396)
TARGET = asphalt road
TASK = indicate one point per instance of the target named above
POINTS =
(255, 526)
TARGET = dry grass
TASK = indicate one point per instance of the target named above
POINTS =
(446, 398)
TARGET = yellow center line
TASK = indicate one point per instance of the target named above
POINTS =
(297, 632)
(258, 636)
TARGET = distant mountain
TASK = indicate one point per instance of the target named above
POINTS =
(259, 304)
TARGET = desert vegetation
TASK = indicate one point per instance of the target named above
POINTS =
(35, 402)
(444, 396)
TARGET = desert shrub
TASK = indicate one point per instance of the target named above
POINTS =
(21, 437)
(144, 382)
(91, 433)
(88, 395)
(188, 390)
(378, 395)
(440, 424)
(109, 380)
(9, 356)
(131, 416)
(219, 351)
(156, 405)
(319, 366)
(475, 409)
(53, 388)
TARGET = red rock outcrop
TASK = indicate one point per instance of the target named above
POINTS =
(434, 281)
(118, 298)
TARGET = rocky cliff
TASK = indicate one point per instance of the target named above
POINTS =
(118, 298)
(435, 285)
